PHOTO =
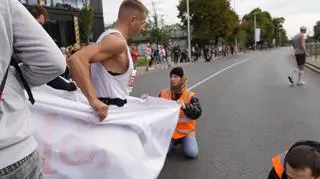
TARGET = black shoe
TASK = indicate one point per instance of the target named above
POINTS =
(290, 79)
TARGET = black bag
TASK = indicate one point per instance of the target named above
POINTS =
(25, 84)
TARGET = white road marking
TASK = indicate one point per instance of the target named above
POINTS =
(217, 73)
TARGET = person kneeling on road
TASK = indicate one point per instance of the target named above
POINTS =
(185, 132)
(302, 161)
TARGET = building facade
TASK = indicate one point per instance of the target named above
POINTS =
(63, 23)
(98, 22)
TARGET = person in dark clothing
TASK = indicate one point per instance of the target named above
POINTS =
(197, 53)
(151, 59)
(185, 132)
(207, 54)
(302, 161)
(60, 83)
(156, 56)
(176, 54)
(232, 49)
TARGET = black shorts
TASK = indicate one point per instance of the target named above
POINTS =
(301, 59)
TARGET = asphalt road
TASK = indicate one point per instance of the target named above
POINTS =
(249, 114)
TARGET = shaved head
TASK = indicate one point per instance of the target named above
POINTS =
(132, 17)
(132, 8)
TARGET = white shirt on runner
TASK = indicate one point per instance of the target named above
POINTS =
(107, 85)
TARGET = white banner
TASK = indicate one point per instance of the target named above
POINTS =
(131, 143)
(257, 34)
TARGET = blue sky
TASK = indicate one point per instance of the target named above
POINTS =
(296, 12)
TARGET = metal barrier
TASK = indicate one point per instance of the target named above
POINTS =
(313, 49)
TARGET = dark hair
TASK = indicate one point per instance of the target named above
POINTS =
(36, 11)
(134, 5)
(304, 156)
(177, 71)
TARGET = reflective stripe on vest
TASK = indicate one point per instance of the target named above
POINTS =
(185, 131)
(186, 100)
(278, 164)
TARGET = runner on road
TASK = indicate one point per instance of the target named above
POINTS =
(298, 43)
(105, 69)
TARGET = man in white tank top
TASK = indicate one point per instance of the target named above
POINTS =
(110, 59)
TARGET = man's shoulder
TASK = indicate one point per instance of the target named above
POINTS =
(111, 33)
(298, 36)
(114, 42)
(114, 37)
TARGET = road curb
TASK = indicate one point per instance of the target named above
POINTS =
(142, 70)
(313, 67)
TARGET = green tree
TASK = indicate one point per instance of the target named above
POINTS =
(316, 30)
(280, 34)
(210, 19)
(242, 34)
(271, 27)
(263, 21)
(283, 37)
(163, 35)
(154, 34)
(86, 21)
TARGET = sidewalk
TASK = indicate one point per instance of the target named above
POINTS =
(314, 63)
(142, 69)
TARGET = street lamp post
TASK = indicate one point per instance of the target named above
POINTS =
(235, 38)
(255, 31)
(189, 36)
(279, 38)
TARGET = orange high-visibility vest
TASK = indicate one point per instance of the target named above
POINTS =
(185, 125)
(278, 163)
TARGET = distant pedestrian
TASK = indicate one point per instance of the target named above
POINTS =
(300, 52)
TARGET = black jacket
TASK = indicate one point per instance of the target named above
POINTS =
(192, 110)
(273, 175)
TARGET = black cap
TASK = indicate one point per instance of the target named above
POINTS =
(177, 71)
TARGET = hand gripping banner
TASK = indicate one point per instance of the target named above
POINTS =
(132, 143)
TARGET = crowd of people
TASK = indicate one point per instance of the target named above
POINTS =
(164, 56)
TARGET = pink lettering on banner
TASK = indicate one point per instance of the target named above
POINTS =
(69, 144)
(104, 164)
(86, 158)
(131, 81)
(47, 159)
(78, 151)
(48, 122)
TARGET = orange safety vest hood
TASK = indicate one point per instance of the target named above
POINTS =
(185, 125)
(278, 164)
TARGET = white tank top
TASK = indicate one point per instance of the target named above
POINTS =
(107, 85)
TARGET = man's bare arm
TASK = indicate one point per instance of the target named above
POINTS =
(80, 61)
(302, 43)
